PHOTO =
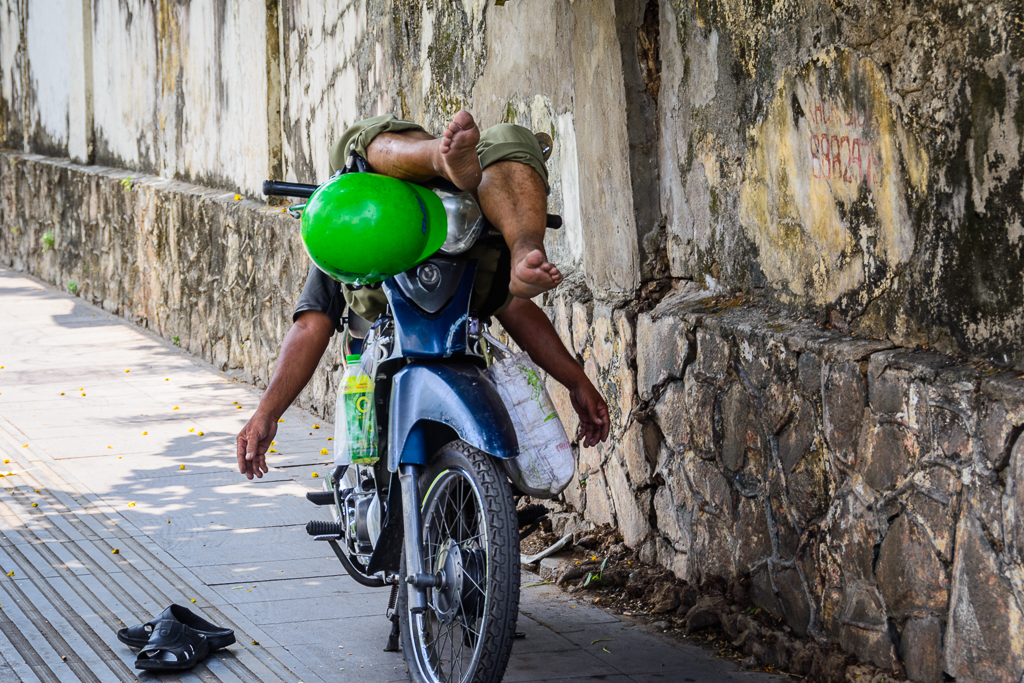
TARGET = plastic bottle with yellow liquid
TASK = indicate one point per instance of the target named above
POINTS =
(355, 431)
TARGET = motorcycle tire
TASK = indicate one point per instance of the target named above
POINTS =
(469, 530)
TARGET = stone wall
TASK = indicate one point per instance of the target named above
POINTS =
(872, 494)
(216, 274)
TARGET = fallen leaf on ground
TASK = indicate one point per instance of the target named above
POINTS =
(281, 419)
(175, 407)
(191, 429)
(192, 600)
(132, 504)
(115, 551)
(323, 451)
(181, 467)
(315, 475)
(316, 426)
(35, 505)
(144, 433)
(199, 434)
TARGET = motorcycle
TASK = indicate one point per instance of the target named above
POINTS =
(435, 517)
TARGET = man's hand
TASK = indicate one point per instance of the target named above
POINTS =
(253, 442)
(593, 412)
(300, 352)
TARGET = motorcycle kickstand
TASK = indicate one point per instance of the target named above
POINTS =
(393, 639)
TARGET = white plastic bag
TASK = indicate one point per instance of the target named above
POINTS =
(545, 464)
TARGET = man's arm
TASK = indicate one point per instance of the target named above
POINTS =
(533, 332)
(303, 346)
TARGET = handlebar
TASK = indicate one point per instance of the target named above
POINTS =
(274, 187)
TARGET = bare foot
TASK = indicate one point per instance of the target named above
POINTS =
(457, 159)
(532, 274)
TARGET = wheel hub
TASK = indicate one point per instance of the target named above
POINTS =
(459, 574)
(448, 595)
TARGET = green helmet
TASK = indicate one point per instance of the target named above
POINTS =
(361, 228)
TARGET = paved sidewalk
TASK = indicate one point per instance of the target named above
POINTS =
(120, 496)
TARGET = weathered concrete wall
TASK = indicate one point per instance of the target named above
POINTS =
(855, 157)
(872, 494)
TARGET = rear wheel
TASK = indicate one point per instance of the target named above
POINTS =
(470, 539)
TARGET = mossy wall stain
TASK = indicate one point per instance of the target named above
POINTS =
(923, 247)
(833, 182)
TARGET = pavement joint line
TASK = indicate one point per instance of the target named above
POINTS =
(26, 650)
(76, 584)
(178, 582)
(130, 569)
(51, 634)
(125, 598)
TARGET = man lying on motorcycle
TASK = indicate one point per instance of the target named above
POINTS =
(504, 169)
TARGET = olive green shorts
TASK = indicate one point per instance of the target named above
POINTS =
(503, 142)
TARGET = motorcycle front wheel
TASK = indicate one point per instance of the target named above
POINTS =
(470, 539)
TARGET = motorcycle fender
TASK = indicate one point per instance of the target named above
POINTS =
(456, 395)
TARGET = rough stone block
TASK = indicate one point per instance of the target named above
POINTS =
(797, 436)
(602, 337)
(809, 368)
(864, 630)
(808, 487)
(672, 521)
(599, 505)
(581, 316)
(985, 630)
(639, 449)
(701, 411)
(794, 599)
(844, 396)
(910, 576)
(712, 356)
(632, 519)
(1015, 501)
(735, 417)
(671, 416)
(887, 458)
(999, 426)
(887, 389)
(755, 543)
(921, 645)
(662, 351)
(762, 592)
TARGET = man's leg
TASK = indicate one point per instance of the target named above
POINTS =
(511, 194)
(416, 156)
(513, 198)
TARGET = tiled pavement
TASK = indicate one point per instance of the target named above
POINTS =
(96, 460)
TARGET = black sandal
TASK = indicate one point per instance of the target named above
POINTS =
(216, 637)
(172, 647)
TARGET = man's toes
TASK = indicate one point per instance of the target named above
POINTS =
(463, 119)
